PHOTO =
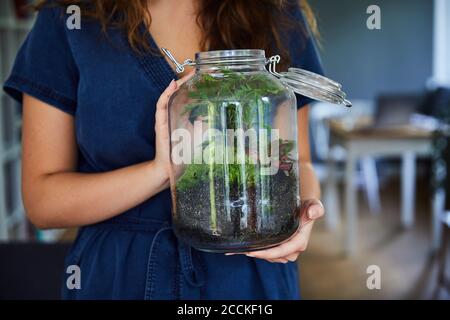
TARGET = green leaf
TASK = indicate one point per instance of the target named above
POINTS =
(240, 97)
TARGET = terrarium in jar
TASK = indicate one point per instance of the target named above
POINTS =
(234, 159)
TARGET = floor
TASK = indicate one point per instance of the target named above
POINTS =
(408, 269)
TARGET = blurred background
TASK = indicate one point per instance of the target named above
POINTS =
(382, 164)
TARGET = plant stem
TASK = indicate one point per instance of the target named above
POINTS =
(242, 166)
(263, 150)
(211, 146)
(224, 110)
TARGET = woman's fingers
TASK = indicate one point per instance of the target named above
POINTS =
(311, 209)
(293, 257)
(161, 105)
(295, 245)
(281, 260)
(163, 101)
(164, 98)
(185, 78)
(171, 88)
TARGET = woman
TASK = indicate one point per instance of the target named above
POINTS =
(95, 145)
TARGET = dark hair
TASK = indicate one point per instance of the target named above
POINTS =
(225, 24)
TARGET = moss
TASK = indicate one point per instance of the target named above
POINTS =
(193, 175)
(197, 174)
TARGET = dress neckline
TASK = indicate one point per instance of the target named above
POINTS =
(155, 66)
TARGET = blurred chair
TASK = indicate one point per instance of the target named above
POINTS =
(441, 204)
(437, 104)
(322, 154)
(392, 131)
(443, 281)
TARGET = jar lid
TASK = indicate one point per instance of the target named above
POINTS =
(306, 83)
(310, 84)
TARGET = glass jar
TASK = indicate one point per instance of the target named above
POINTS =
(234, 159)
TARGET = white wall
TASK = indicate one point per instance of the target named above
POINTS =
(441, 43)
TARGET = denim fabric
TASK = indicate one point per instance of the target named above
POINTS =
(111, 92)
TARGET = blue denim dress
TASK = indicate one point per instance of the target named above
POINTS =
(111, 92)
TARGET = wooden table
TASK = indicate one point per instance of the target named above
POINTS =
(360, 141)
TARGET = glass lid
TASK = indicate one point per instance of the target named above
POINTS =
(310, 84)
(314, 86)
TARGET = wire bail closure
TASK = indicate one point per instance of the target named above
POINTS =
(179, 66)
(272, 62)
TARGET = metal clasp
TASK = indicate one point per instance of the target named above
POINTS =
(179, 66)
(273, 61)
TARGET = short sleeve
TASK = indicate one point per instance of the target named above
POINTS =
(44, 66)
(303, 49)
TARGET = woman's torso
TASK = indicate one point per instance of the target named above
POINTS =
(134, 255)
(114, 128)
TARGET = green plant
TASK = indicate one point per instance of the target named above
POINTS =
(231, 100)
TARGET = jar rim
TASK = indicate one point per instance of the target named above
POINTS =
(251, 53)
(253, 56)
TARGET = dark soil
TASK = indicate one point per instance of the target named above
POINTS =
(235, 232)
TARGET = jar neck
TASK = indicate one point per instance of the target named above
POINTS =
(242, 60)
(230, 67)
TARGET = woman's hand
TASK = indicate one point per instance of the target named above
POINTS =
(162, 143)
(310, 211)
